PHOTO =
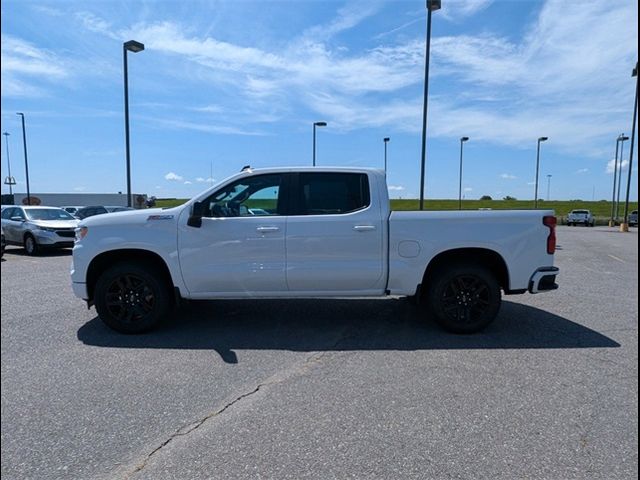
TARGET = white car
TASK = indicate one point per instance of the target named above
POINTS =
(37, 228)
(581, 217)
(327, 233)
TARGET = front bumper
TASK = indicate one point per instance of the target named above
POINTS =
(52, 239)
(80, 290)
(543, 280)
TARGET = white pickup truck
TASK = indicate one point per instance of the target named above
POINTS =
(309, 232)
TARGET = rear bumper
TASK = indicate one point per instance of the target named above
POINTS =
(543, 280)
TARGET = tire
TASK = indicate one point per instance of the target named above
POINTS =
(132, 297)
(30, 245)
(464, 298)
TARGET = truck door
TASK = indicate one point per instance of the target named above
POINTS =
(240, 246)
(334, 237)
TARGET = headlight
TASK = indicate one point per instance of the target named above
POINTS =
(81, 232)
(45, 229)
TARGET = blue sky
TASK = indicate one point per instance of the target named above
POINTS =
(225, 84)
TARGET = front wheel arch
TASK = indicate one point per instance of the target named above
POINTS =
(130, 255)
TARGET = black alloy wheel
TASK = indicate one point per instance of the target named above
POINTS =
(132, 298)
(464, 298)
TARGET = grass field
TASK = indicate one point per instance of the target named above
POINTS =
(601, 209)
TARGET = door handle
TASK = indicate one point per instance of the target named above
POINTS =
(364, 228)
(267, 229)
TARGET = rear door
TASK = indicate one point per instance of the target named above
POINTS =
(335, 235)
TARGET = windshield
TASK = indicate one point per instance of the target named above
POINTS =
(581, 212)
(47, 214)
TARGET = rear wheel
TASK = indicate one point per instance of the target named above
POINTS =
(464, 298)
(132, 298)
(30, 245)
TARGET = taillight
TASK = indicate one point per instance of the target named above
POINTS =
(551, 222)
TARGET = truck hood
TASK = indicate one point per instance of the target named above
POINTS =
(131, 217)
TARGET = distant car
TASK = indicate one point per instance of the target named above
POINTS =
(583, 217)
(633, 218)
(71, 209)
(112, 209)
(36, 228)
(90, 211)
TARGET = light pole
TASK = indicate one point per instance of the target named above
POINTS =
(9, 180)
(432, 5)
(462, 140)
(548, 187)
(385, 140)
(622, 140)
(135, 47)
(26, 162)
(316, 124)
(624, 227)
(541, 139)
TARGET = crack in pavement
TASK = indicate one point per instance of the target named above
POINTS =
(277, 378)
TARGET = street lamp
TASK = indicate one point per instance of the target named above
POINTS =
(548, 187)
(26, 163)
(432, 5)
(9, 180)
(624, 227)
(541, 139)
(462, 140)
(135, 47)
(316, 124)
(385, 140)
(620, 138)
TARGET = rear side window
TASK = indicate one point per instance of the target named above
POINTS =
(332, 193)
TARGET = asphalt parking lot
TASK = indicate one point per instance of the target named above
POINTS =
(327, 388)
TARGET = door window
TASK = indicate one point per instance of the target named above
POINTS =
(253, 196)
(332, 193)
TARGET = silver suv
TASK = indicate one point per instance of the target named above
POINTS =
(38, 227)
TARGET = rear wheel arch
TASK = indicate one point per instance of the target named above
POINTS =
(484, 257)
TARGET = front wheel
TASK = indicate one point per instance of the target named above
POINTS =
(132, 298)
(464, 298)
(30, 245)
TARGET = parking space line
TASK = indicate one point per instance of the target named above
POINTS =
(616, 258)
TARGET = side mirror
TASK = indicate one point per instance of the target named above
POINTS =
(197, 211)
(17, 219)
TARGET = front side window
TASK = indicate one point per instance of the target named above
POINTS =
(332, 193)
(8, 213)
(253, 196)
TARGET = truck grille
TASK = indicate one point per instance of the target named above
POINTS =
(70, 233)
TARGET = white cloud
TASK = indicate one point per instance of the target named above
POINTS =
(172, 177)
(395, 188)
(23, 63)
(468, 189)
(508, 176)
(582, 170)
(205, 180)
(611, 165)
(456, 9)
(79, 189)
(187, 182)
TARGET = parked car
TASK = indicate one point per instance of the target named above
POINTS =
(583, 217)
(3, 244)
(633, 218)
(99, 210)
(71, 209)
(327, 233)
(36, 228)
